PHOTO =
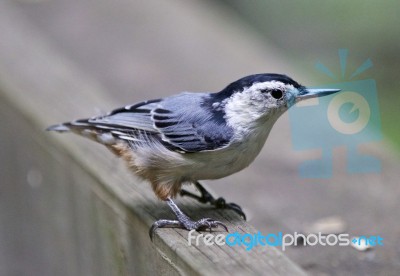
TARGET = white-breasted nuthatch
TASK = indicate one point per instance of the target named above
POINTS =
(189, 137)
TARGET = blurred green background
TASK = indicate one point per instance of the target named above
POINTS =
(311, 31)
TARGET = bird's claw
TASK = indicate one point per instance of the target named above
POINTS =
(219, 203)
(201, 224)
(209, 223)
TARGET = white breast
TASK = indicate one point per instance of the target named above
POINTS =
(237, 156)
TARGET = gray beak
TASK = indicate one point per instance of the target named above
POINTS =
(309, 93)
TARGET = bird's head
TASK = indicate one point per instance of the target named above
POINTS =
(264, 96)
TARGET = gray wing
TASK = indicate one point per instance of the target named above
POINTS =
(131, 117)
(185, 122)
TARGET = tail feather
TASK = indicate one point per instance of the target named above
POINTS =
(102, 133)
(59, 128)
(75, 126)
(80, 127)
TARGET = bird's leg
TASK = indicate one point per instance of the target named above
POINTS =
(183, 221)
(206, 197)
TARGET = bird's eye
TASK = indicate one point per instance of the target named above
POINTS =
(277, 94)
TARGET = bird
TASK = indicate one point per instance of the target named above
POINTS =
(189, 137)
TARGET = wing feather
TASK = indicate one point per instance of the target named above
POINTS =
(182, 122)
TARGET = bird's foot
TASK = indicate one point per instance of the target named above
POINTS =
(185, 222)
(219, 203)
(201, 224)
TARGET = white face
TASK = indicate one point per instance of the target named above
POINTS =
(274, 94)
(262, 100)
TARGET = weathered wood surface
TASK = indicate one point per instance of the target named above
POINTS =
(118, 54)
(68, 206)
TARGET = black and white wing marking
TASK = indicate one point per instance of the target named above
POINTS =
(181, 123)
(129, 118)
(187, 122)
